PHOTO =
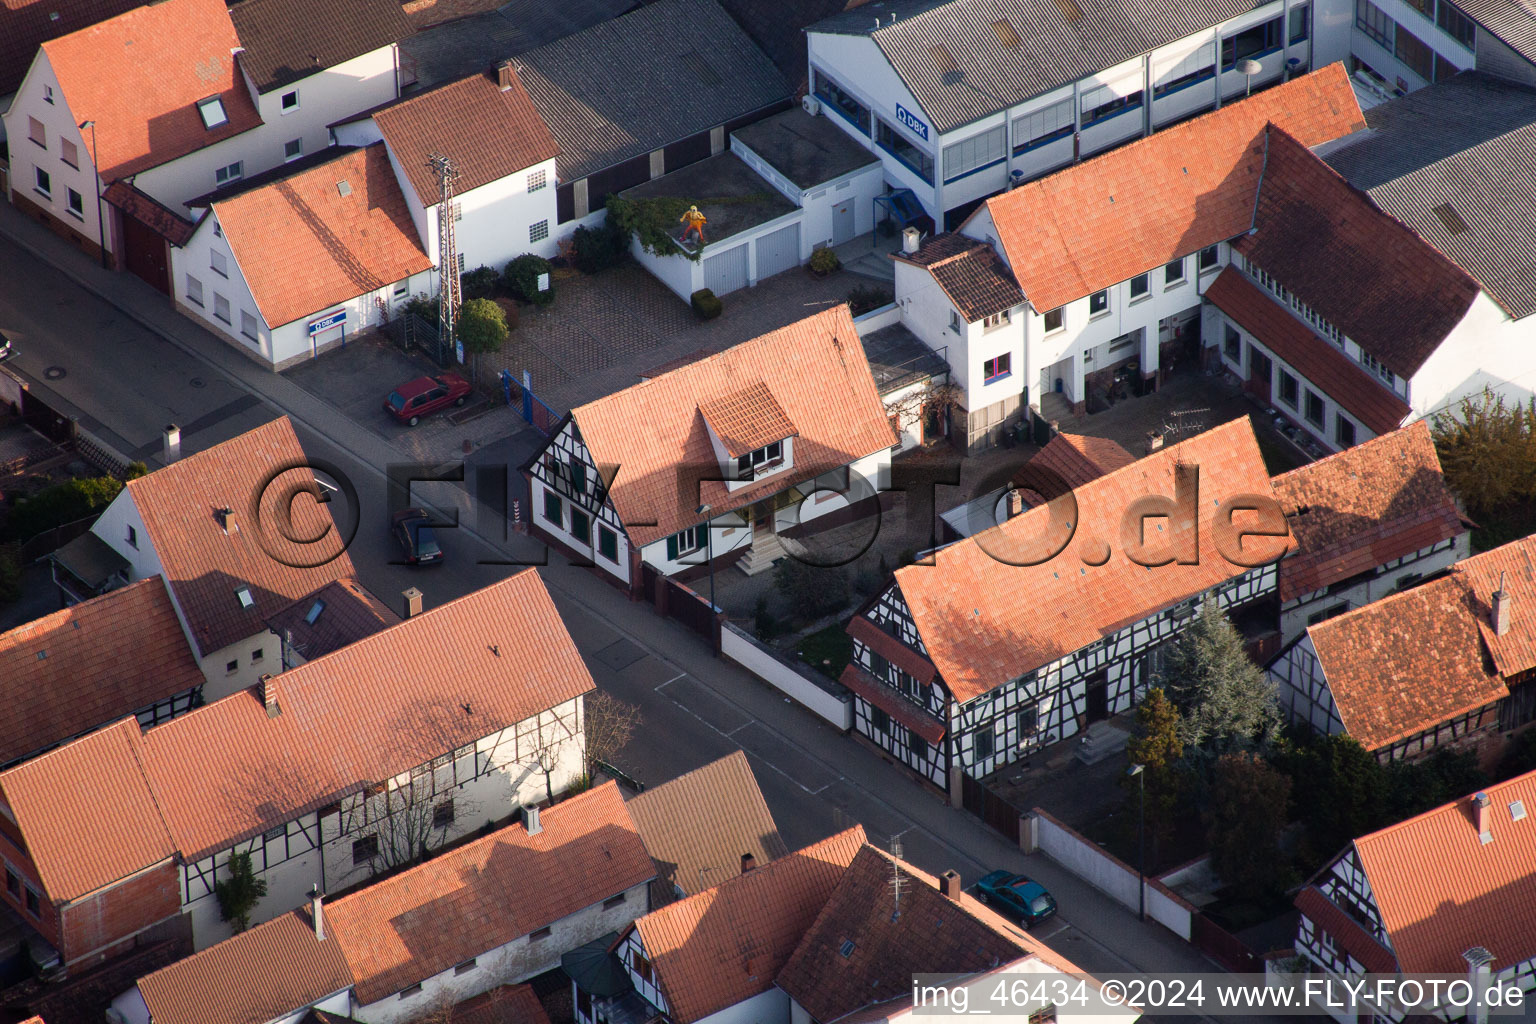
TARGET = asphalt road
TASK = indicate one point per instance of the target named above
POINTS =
(127, 381)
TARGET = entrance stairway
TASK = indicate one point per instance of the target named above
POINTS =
(765, 550)
(1101, 741)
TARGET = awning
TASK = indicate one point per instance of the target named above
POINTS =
(892, 703)
(90, 560)
(596, 970)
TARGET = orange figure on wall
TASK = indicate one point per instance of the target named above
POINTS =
(695, 221)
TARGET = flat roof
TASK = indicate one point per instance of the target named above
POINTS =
(897, 357)
(807, 150)
(732, 196)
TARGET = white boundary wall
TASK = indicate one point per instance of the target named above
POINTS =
(752, 656)
(1107, 874)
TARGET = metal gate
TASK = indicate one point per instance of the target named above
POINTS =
(726, 272)
(144, 253)
(778, 252)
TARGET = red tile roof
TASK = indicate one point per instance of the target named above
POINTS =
(364, 714)
(348, 245)
(1513, 565)
(1369, 275)
(1346, 931)
(1441, 890)
(901, 710)
(980, 636)
(27, 24)
(1363, 507)
(229, 771)
(86, 812)
(484, 894)
(203, 565)
(257, 976)
(140, 75)
(90, 664)
(1156, 199)
(1076, 459)
(1319, 361)
(348, 613)
(150, 212)
(893, 650)
(729, 943)
(505, 1004)
(487, 131)
(655, 435)
(747, 419)
(697, 826)
(924, 933)
(976, 280)
(1402, 664)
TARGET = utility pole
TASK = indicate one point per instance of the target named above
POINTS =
(447, 251)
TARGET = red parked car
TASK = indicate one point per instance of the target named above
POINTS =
(408, 403)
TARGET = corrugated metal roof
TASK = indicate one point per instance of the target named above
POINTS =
(657, 75)
(1513, 21)
(958, 60)
(1453, 162)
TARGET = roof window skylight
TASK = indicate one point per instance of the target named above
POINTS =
(212, 111)
(243, 592)
(314, 612)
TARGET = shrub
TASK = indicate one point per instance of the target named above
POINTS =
(599, 248)
(479, 283)
(482, 326)
(521, 278)
(866, 298)
(423, 307)
(768, 626)
(706, 304)
(136, 470)
(60, 504)
(812, 591)
(824, 260)
(10, 573)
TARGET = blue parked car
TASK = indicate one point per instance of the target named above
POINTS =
(1016, 896)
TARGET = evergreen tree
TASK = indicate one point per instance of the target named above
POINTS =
(240, 892)
(482, 327)
(1156, 745)
(1225, 701)
(1244, 818)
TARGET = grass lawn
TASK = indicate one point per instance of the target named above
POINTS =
(832, 645)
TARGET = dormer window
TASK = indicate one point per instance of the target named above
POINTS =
(212, 112)
(760, 462)
(243, 594)
(314, 612)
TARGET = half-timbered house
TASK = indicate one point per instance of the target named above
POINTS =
(1447, 892)
(1449, 663)
(322, 776)
(1368, 522)
(995, 647)
(717, 458)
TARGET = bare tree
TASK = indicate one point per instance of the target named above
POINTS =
(548, 743)
(610, 724)
(931, 396)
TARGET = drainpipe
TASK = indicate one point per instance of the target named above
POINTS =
(1216, 62)
(1146, 95)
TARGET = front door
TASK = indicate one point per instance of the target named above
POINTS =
(1260, 372)
(842, 222)
(1096, 697)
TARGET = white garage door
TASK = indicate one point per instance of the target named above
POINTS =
(778, 252)
(725, 272)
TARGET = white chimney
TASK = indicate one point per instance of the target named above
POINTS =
(1482, 817)
(909, 240)
(531, 820)
(1501, 608)
(317, 912)
(412, 598)
(1479, 976)
(172, 446)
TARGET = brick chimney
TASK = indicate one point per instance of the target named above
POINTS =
(1015, 501)
(748, 862)
(1501, 608)
(269, 695)
(317, 912)
(531, 820)
(949, 884)
(1482, 817)
(412, 598)
(504, 75)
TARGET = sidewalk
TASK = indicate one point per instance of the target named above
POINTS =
(854, 785)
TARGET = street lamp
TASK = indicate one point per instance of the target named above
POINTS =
(1138, 771)
(101, 224)
(1249, 67)
(709, 553)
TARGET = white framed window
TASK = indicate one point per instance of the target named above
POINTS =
(218, 232)
(997, 320)
(36, 132)
(1055, 319)
(233, 172)
(217, 263)
(76, 203)
(248, 325)
(47, 94)
(537, 180)
(221, 307)
(69, 153)
(194, 290)
(461, 263)
(402, 288)
(1139, 287)
(289, 102)
(212, 112)
(976, 152)
(538, 231)
(293, 149)
(43, 183)
(1196, 67)
(1043, 126)
(1098, 303)
(1173, 273)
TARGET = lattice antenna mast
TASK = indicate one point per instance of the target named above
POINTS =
(895, 882)
(447, 246)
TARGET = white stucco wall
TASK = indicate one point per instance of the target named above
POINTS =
(27, 156)
(1487, 349)
(361, 83)
(196, 259)
(495, 222)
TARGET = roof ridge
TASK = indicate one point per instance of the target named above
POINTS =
(1448, 807)
(134, 751)
(1417, 426)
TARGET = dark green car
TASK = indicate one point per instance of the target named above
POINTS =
(1016, 896)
